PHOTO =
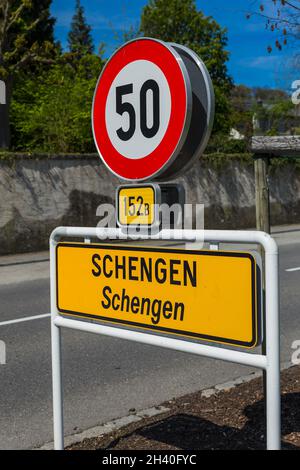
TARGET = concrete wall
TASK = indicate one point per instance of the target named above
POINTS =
(39, 193)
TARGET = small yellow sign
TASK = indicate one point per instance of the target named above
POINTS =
(136, 205)
(205, 295)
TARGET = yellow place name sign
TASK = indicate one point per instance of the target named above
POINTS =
(209, 295)
(136, 205)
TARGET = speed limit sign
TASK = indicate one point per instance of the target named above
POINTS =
(152, 110)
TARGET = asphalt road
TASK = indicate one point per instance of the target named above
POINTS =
(103, 378)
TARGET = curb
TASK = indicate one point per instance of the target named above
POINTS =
(227, 386)
(109, 427)
(114, 425)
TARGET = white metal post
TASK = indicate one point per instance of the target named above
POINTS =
(273, 399)
(269, 362)
(58, 420)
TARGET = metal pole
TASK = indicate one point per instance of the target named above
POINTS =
(273, 400)
(227, 355)
(262, 195)
(58, 423)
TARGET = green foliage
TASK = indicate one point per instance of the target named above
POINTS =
(220, 160)
(272, 108)
(44, 28)
(51, 100)
(79, 38)
(223, 113)
(242, 114)
(179, 21)
(52, 92)
(275, 118)
(224, 145)
(26, 41)
(26, 35)
(51, 112)
(281, 113)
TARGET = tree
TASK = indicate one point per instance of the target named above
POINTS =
(242, 103)
(79, 39)
(282, 17)
(51, 112)
(270, 109)
(180, 21)
(26, 38)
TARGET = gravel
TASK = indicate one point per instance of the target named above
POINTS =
(231, 419)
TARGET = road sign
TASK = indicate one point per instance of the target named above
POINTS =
(150, 205)
(2, 92)
(152, 110)
(205, 295)
(268, 360)
(138, 205)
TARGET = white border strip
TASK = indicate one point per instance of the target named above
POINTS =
(21, 320)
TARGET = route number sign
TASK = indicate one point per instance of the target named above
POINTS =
(138, 205)
(152, 110)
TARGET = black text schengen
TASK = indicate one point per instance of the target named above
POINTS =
(171, 272)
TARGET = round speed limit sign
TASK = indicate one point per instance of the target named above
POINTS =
(150, 118)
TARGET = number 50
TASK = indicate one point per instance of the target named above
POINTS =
(125, 107)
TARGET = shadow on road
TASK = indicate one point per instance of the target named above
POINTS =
(189, 432)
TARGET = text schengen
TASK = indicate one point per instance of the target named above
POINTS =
(139, 269)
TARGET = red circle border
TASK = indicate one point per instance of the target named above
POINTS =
(161, 55)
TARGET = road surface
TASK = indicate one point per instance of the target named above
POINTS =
(103, 378)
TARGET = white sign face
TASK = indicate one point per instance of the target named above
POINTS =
(2, 93)
(137, 109)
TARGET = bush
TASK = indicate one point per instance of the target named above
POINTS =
(223, 144)
(52, 113)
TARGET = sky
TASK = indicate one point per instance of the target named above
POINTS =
(249, 64)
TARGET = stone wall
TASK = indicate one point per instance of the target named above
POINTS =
(38, 193)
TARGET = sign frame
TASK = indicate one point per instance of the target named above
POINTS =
(268, 360)
(191, 59)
